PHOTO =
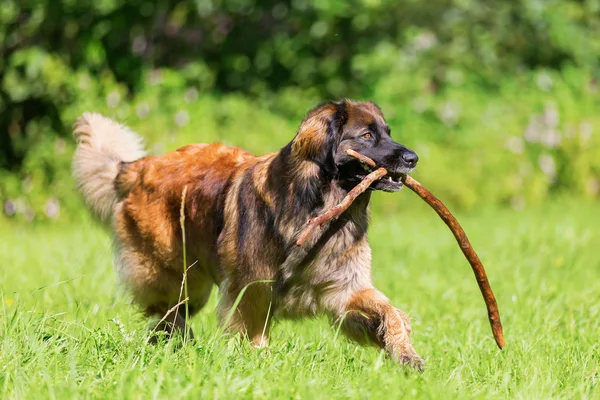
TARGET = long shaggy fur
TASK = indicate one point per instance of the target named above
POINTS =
(102, 144)
(243, 214)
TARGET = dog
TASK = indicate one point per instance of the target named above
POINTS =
(242, 216)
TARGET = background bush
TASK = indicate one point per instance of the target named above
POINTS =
(500, 99)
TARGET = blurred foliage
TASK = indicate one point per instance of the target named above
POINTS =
(500, 99)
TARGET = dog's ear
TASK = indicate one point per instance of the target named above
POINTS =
(319, 134)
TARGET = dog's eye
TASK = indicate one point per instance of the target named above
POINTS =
(367, 135)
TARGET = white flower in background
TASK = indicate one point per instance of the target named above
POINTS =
(191, 95)
(52, 208)
(585, 131)
(319, 29)
(533, 129)
(182, 118)
(551, 116)
(517, 203)
(515, 144)
(113, 99)
(547, 165)
(449, 112)
(544, 128)
(10, 208)
(517, 180)
(142, 110)
(551, 138)
(420, 104)
(544, 81)
(29, 214)
(155, 77)
(424, 41)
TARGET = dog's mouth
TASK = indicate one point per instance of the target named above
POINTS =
(392, 182)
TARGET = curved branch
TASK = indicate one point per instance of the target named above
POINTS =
(445, 215)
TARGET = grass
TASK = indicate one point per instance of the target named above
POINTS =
(68, 331)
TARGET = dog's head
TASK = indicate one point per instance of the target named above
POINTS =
(331, 129)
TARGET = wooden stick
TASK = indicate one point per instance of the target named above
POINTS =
(363, 159)
(335, 212)
(463, 242)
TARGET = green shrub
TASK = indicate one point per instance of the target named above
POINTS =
(499, 99)
(519, 146)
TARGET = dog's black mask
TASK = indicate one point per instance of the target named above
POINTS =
(365, 131)
(332, 128)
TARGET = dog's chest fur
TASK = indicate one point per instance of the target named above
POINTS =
(321, 275)
(265, 213)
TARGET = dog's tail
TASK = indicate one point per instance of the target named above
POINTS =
(102, 146)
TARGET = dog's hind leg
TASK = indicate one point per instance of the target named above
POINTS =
(253, 313)
(173, 323)
(158, 289)
(174, 315)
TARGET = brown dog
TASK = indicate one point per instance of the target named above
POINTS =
(243, 215)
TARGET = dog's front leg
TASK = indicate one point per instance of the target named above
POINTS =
(369, 315)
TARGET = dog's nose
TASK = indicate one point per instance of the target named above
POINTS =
(410, 157)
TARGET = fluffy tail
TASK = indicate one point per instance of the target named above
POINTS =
(102, 144)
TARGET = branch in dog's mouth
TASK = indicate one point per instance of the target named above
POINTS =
(369, 166)
(334, 212)
(440, 209)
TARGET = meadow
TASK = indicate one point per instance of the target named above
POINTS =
(500, 101)
(67, 330)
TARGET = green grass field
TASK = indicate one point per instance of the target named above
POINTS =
(68, 331)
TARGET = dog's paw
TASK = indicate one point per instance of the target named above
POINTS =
(413, 361)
